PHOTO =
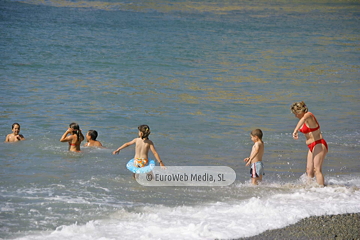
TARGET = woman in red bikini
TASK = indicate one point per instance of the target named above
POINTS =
(74, 139)
(317, 145)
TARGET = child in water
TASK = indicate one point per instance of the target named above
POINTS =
(15, 136)
(142, 146)
(74, 139)
(255, 159)
(91, 139)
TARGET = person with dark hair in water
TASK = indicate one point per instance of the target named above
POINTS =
(75, 137)
(91, 139)
(15, 136)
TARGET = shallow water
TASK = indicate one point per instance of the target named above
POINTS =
(202, 75)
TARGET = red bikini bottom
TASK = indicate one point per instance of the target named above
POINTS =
(320, 141)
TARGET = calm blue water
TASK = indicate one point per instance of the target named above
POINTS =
(202, 75)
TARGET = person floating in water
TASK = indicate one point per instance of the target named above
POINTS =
(15, 136)
(255, 159)
(142, 146)
(318, 147)
(91, 139)
(74, 139)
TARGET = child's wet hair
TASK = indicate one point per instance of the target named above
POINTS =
(299, 107)
(74, 126)
(145, 130)
(257, 132)
(93, 134)
(14, 124)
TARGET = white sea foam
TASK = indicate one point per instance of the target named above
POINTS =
(223, 220)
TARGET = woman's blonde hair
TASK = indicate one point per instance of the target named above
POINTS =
(299, 107)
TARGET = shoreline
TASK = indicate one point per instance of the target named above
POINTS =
(341, 226)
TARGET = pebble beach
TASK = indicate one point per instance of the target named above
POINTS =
(342, 226)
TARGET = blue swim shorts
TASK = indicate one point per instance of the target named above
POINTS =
(257, 169)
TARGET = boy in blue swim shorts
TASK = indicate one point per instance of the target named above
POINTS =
(255, 159)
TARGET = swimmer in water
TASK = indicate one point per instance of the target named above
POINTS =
(75, 137)
(15, 136)
(91, 139)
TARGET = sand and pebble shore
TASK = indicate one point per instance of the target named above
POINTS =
(342, 226)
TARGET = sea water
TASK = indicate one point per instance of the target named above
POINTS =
(202, 75)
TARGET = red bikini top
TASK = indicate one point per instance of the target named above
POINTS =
(305, 129)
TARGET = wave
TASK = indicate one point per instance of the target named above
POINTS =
(224, 220)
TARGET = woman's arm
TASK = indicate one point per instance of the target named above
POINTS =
(65, 138)
(300, 123)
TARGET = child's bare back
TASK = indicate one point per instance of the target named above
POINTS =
(142, 146)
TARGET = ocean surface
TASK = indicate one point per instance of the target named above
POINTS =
(202, 74)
